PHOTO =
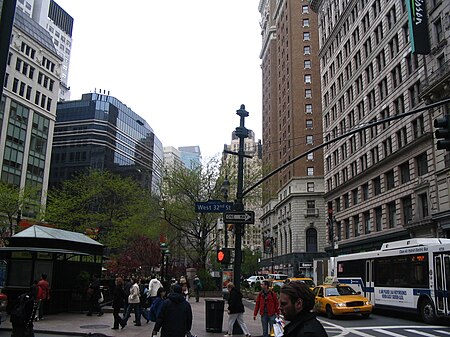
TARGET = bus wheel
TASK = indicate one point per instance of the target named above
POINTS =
(366, 315)
(329, 311)
(426, 312)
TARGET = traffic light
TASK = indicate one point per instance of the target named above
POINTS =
(443, 132)
(224, 255)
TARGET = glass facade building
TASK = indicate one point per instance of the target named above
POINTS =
(100, 132)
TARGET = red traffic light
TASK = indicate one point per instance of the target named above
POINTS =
(224, 255)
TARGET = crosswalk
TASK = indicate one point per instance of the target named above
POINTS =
(335, 330)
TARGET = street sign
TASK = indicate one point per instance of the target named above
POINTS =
(213, 206)
(245, 217)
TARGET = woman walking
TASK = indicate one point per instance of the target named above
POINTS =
(235, 310)
(118, 303)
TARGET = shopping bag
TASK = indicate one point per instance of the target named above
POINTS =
(278, 327)
(101, 299)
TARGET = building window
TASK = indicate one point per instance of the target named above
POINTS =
(390, 183)
(391, 211)
(356, 231)
(309, 140)
(438, 30)
(309, 123)
(308, 79)
(307, 64)
(308, 93)
(406, 209)
(346, 201)
(355, 197)
(378, 218)
(347, 228)
(366, 216)
(310, 156)
(310, 186)
(305, 22)
(311, 240)
(305, 9)
(308, 108)
(405, 175)
(421, 164)
(306, 36)
(365, 191)
(310, 171)
(307, 50)
(376, 186)
(423, 205)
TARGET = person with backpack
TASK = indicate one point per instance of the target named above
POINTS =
(197, 287)
(155, 308)
(267, 306)
(22, 316)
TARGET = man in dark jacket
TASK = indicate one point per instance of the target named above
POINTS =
(94, 293)
(175, 317)
(296, 302)
(235, 310)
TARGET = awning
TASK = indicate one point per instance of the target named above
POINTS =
(40, 249)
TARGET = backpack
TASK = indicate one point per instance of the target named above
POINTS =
(22, 312)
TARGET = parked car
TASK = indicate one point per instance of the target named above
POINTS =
(279, 277)
(253, 279)
(340, 299)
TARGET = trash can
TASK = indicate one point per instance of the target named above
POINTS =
(214, 315)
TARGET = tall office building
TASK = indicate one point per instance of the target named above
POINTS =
(49, 15)
(294, 214)
(100, 132)
(172, 157)
(28, 108)
(388, 181)
(191, 156)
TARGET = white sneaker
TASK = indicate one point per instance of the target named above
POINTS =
(227, 335)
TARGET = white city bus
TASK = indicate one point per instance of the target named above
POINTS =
(409, 275)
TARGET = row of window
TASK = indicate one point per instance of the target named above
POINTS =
(24, 90)
(381, 149)
(380, 218)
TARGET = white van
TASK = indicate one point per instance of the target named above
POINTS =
(278, 277)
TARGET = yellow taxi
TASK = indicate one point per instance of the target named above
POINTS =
(308, 281)
(340, 299)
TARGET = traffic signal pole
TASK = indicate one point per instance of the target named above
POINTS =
(241, 133)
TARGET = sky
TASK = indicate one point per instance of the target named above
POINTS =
(184, 66)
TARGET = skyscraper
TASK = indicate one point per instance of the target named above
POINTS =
(381, 180)
(100, 132)
(28, 108)
(294, 213)
(49, 15)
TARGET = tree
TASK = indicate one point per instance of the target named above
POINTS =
(250, 265)
(191, 232)
(118, 207)
(12, 200)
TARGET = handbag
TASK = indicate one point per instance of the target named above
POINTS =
(278, 327)
(101, 299)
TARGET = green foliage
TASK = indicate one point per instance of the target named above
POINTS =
(117, 206)
(257, 286)
(276, 288)
(250, 265)
(82, 281)
(207, 280)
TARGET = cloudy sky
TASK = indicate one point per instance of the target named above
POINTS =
(184, 66)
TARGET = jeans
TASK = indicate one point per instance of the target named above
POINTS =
(267, 324)
(239, 317)
(136, 307)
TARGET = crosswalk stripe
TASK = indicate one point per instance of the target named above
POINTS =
(390, 333)
(443, 332)
(421, 333)
(359, 333)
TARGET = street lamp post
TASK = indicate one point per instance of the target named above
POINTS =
(225, 189)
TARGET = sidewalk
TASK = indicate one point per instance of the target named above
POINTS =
(78, 324)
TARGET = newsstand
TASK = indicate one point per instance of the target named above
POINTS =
(214, 314)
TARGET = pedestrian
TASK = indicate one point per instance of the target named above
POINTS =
(134, 303)
(118, 303)
(174, 309)
(235, 310)
(267, 306)
(143, 293)
(296, 303)
(197, 287)
(22, 315)
(126, 288)
(94, 294)
(153, 287)
(155, 309)
(43, 295)
(184, 288)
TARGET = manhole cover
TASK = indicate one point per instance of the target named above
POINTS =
(94, 326)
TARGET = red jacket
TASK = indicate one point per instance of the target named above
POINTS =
(271, 302)
(43, 290)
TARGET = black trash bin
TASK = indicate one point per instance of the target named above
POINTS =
(214, 315)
